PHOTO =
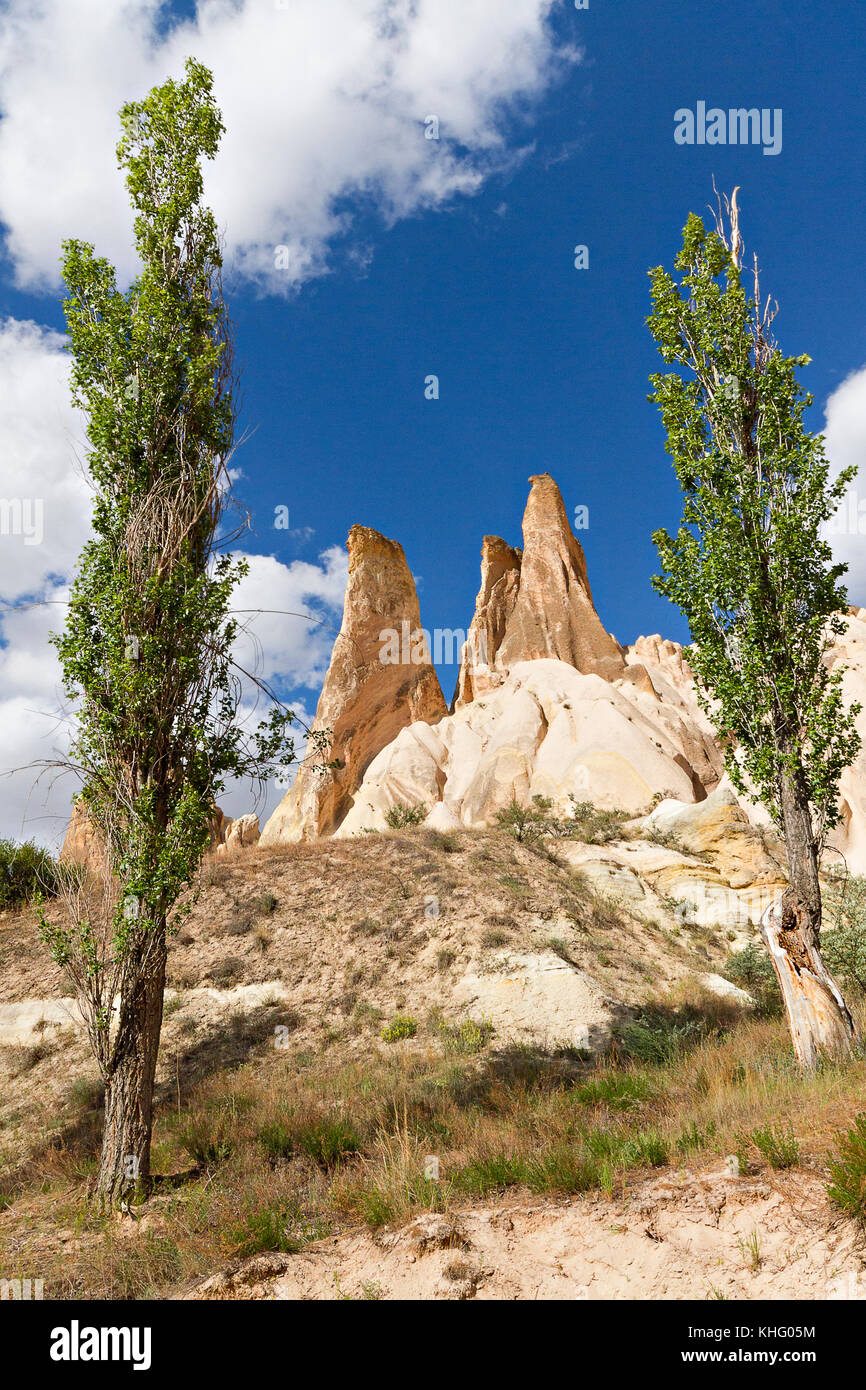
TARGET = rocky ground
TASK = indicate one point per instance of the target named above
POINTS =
(683, 1235)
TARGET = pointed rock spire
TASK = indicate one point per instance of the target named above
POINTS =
(535, 603)
(379, 681)
(500, 581)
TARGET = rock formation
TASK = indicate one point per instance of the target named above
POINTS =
(547, 703)
(238, 834)
(547, 730)
(554, 615)
(500, 582)
(80, 843)
(380, 680)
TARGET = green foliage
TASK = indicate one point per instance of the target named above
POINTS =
(401, 816)
(779, 1147)
(277, 1140)
(402, 1026)
(206, 1140)
(26, 872)
(752, 970)
(843, 939)
(615, 1091)
(328, 1141)
(748, 566)
(146, 652)
(585, 821)
(847, 1186)
(273, 1228)
(591, 824)
(526, 822)
(660, 1035)
(466, 1038)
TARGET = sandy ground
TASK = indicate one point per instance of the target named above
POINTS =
(679, 1236)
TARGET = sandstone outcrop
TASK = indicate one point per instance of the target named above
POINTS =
(239, 834)
(380, 680)
(554, 615)
(500, 583)
(547, 730)
(80, 843)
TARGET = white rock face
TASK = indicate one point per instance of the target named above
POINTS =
(538, 997)
(718, 985)
(547, 731)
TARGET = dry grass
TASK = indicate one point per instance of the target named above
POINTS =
(291, 1147)
(273, 1146)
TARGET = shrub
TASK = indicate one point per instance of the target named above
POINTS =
(780, 1148)
(277, 1140)
(327, 1141)
(273, 1228)
(26, 871)
(591, 824)
(659, 1036)
(526, 822)
(843, 942)
(751, 969)
(495, 937)
(400, 1027)
(265, 904)
(466, 1038)
(400, 816)
(847, 1187)
(205, 1140)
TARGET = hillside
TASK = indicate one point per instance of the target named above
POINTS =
(295, 1141)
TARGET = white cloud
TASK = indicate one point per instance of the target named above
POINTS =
(321, 99)
(278, 646)
(42, 449)
(845, 433)
(41, 444)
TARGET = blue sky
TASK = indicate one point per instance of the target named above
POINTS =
(542, 367)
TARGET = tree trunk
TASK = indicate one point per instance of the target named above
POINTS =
(125, 1158)
(818, 1017)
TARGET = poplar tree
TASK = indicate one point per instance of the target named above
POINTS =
(146, 651)
(756, 581)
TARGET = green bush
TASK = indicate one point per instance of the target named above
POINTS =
(591, 824)
(752, 970)
(526, 822)
(400, 1027)
(328, 1141)
(26, 872)
(273, 1228)
(780, 1148)
(585, 822)
(466, 1038)
(843, 940)
(400, 816)
(660, 1036)
(847, 1186)
(206, 1139)
(277, 1140)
